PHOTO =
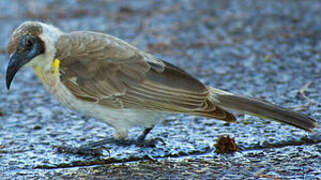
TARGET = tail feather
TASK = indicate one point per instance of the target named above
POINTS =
(257, 107)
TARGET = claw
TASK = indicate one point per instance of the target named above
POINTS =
(95, 148)
(80, 150)
(149, 143)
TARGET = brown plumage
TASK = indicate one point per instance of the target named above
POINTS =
(121, 78)
(26, 28)
(105, 77)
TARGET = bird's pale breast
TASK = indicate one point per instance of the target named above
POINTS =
(120, 119)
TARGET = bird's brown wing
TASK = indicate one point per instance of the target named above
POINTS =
(112, 73)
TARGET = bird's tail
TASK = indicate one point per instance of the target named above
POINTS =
(257, 107)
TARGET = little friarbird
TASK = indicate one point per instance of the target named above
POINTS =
(104, 77)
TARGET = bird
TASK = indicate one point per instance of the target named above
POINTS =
(104, 77)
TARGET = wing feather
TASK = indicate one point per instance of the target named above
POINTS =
(112, 73)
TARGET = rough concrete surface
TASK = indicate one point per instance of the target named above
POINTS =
(266, 49)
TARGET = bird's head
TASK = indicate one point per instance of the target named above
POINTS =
(32, 43)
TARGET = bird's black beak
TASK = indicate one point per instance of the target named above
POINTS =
(28, 48)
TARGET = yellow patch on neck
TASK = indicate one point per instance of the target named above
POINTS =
(44, 75)
(38, 73)
(55, 67)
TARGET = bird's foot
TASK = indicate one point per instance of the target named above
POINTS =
(94, 151)
(149, 143)
(95, 148)
(82, 150)
(141, 142)
(92, 148)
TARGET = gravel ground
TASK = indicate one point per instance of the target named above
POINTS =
(266, 49)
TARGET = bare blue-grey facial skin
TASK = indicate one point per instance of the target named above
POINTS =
(28, 48)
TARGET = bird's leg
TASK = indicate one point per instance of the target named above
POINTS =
(94, 148)
(151, 143)
(144, 134)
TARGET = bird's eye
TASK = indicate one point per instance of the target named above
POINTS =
(28, 43)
